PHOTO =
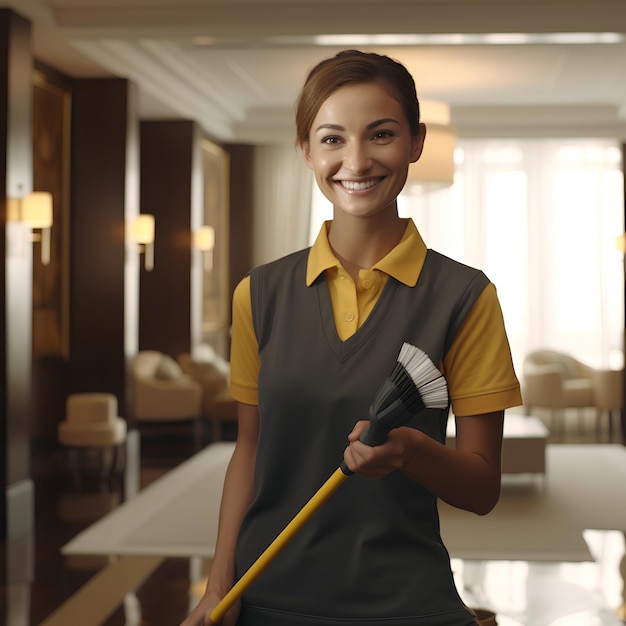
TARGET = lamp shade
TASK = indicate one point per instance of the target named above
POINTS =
(435, 167)
(35, 212)
(143, 228)
(36, 209)
(204, 238)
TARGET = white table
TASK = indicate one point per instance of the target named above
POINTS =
(175, 516)
(523, 446)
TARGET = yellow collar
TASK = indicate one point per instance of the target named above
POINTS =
(404, 262)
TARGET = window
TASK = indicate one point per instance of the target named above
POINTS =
(540, 218)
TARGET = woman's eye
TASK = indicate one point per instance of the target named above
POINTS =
(331, 141)
(383, 135)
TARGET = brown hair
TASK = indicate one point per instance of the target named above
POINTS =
(353, 67)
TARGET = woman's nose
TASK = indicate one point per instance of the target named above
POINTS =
(357, 159)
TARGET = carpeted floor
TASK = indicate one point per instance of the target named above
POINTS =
(540, 517)
(543, 518)
(524, 593)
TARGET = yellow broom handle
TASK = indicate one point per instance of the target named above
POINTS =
(323, 493)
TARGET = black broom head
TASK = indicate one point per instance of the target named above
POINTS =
(414, 384)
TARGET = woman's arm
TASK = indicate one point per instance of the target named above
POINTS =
(481, 382)
(236, 498)
(467, 477)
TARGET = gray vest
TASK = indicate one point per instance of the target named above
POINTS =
(373, 550)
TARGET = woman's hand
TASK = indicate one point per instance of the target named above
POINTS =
(200, 615)
(376, 462)
(467, 477)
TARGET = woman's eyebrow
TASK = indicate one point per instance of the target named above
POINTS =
(385, 120)
(329, 127)
(371, 125)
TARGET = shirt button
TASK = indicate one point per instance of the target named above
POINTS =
(349, 317)
(366, 283)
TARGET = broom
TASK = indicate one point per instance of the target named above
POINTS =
(413, 385)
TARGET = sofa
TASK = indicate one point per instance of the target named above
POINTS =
(212, 373)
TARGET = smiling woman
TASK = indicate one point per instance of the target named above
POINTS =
(314, 334)
(360, 161)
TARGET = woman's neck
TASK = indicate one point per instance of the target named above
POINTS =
(359, 243)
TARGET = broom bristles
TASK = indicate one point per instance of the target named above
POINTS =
(427, 380)
(415, 384)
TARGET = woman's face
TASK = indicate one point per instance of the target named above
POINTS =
(360, 146)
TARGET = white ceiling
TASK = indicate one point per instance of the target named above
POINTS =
(242, 84)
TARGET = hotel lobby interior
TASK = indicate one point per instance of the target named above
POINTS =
(150, 130)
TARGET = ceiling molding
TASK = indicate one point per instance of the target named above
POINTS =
(242, 86)
(259, 18)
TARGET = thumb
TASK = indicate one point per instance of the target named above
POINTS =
(359, 427)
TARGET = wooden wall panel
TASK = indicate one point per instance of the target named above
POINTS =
(167, 171)
(241, 208)
(102, 162)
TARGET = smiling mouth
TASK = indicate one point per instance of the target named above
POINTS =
(360, 185)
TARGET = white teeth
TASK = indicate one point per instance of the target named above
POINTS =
(348, 184)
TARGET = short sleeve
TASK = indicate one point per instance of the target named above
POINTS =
(244, 353)
(478, 367)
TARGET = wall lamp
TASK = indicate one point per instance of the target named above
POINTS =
(204, 240)
(435, 168)
(143, 233)
(34, 211)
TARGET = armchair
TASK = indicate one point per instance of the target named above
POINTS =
(163, 393)
(212, 372)
(609, 399)
(556, 381)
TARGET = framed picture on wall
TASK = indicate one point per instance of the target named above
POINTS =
(51, 162)
(215, 298)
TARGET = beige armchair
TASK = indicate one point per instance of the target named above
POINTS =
(609, 400)
(556, 381)
(212, 372)
(163, 393)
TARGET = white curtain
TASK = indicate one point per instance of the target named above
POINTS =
(282, 202)
(540, 218)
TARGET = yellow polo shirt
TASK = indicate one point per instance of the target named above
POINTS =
(478, 367)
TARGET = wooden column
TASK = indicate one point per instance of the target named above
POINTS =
(171, 169)
(241, 210)
(105, 175)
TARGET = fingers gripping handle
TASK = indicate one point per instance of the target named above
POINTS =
(382, 421)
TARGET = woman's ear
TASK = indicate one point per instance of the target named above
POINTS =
(305, 146)
(418, 144)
